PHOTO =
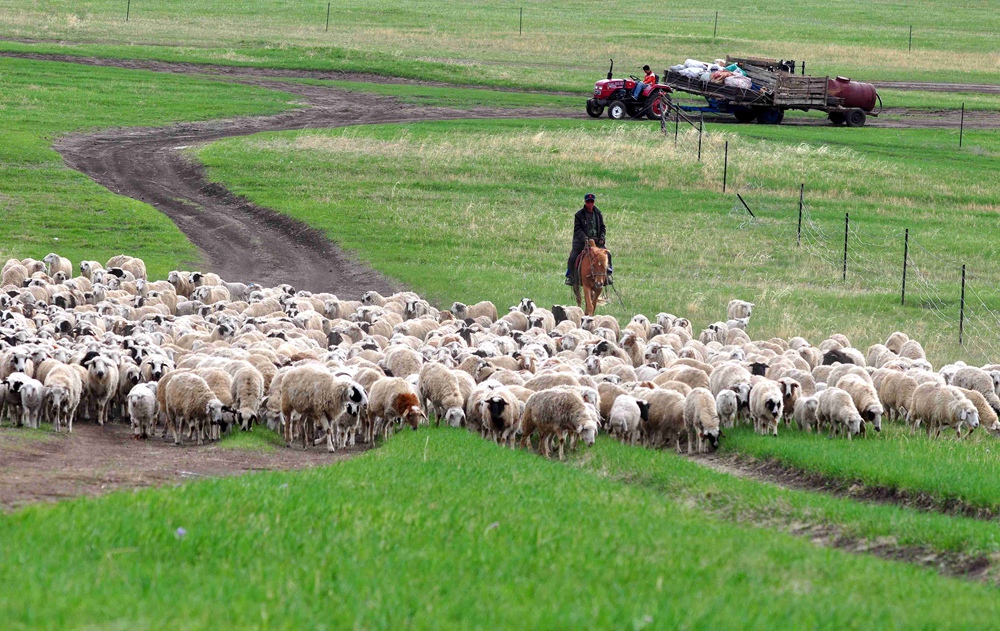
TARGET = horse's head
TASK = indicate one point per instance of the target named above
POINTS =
(598, 263)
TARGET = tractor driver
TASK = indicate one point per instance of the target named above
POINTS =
(588, 223)
(649, 79)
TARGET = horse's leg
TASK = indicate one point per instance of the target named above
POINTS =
(589, 297)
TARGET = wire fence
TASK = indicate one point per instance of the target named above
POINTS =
(870, 258)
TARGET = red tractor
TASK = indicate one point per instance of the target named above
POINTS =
(616, 96)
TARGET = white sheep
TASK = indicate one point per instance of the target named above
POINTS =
(766, 406)
(470, 312)
(865, 399)
(247, 391)
(192, 405)
(56, 263)
(836, 409)
(804, 413)
(554, 414)
(101, 385)
(63, 389)
(701, 419)
(626, 417)
(727, 405)
(973, 378)
(938, 406)
(141, 405)
(441, 395)
(738, 309)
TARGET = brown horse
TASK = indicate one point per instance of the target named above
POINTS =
(591, 275)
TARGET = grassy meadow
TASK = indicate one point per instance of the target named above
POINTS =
(474, 210)
(441, 529)
(48, 207)
(565, 45)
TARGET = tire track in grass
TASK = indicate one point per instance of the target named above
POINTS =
(789, 477)
(809, 522)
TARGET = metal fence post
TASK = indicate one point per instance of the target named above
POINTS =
(906, 256)
(909, 47)
(328, 16)
(961, 311)
(961, 127)
(128, 9)
(847, 225)
(802, 192)
(715, 31)
(520, 21)
(701, 125)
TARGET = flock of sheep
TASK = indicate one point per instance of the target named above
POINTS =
(195, 356)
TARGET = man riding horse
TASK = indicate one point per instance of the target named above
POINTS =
(587, 224)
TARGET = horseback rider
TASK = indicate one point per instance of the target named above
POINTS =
(588, 223)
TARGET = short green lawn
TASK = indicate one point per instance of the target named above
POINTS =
(473, 210)
(945, 468)
(48, 207)
(441, 529)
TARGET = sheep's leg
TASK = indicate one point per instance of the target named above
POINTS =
(329, 432)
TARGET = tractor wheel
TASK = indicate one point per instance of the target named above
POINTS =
(745, 116)
(594, 110)
(837, 118)
(617, 111)
(659, 104)
(856, 118)
(770, 116)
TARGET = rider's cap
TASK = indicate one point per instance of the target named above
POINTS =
(589, 197)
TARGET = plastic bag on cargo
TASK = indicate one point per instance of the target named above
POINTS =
(736, 81)
(694, 63)
(705, 76)
(692, 73)
(714, 67)
(678, 67)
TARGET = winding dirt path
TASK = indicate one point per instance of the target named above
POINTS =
(238, 239)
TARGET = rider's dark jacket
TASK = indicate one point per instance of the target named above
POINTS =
(587, 225)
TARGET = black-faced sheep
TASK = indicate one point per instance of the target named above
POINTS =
(766, 407)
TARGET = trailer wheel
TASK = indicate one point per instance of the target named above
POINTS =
(745, 116)
(770, 116)
(838, 118)
(594, 109)
(617, 111)
(856, 118)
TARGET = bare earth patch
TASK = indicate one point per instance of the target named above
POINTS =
(47, 467)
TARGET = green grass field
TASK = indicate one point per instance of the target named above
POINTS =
(566, 44)
(441, 529)
(483, 209)
(437, 528)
